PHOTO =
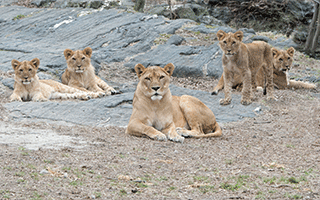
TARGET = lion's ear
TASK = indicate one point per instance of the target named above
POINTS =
(139, 68)
(238, 35)
(275, 52)
(169, 68)
(68, 53)
(15, 64)
(290, 51)
(36, 62)
(88, 52)
(221, 34)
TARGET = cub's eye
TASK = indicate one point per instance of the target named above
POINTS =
(161, 77)
(233, 42)
(21, 70)
(147, 78)
(280, 59)
(288, 58)
(83, 58)
(225, 42)
(30, 70)
(73, 58)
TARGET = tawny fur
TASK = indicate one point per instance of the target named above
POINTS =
(159, 115)
(27, 85)
(244, 59)
(80, 73)
(279, 74)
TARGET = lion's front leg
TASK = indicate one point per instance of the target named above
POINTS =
(227, 87)
(39, 97)
(137, 128)
(246, 91)
(15, 97)
(172, 134)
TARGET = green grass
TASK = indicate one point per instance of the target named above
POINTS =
(171, 188)
(270, 180)
(19, 17)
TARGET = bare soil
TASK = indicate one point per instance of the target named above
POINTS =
(272, 156)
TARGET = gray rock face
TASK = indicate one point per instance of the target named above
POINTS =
(116, 110)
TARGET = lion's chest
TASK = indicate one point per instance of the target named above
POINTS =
(159, 120)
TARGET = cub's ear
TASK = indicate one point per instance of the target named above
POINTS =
(68, 53)
(221, 35)
(15, 64)
(35, 62)
(139, 68)
(275, 52)
(88, 52)
(169, 68)
(290, 51)
(238, 35)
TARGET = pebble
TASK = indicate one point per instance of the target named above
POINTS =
(44, 171)
(258, 109)
(308, 69)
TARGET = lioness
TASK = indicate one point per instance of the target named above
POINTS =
(27, 85)
(80, 73)
(245, 59)
(282, 63)
(159, 115)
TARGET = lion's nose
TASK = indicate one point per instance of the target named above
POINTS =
(79, 66)
(25, 77)
(155, 88)
(228, 50)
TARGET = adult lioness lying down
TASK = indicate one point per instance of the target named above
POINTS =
(159, 115)
(27, 85)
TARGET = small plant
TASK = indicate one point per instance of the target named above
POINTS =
(231, 187)
(290, 146)
(293, 180)
(97, 194)
(123, 192)
(20, 174)
(19, 17)
(201, 178)
(229, 161)
(171, 188)
(269, 180)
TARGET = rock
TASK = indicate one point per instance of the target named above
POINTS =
(175, 39)
(257, 109)
(261, 38)
(43, 3)
(207, 19)
(44, 171)
(221, 13)
(9, 82)
(186, 13)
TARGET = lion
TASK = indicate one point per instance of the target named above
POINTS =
(244, 59)
(160, 116)
(282, 63)
(27, 85)
(80, 73)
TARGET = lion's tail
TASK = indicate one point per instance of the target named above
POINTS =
(300, 85)
(217, 133)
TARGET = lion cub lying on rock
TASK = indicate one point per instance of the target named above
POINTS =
(27, 85)
(282, 62)
(80, 73)
(246, 60)
(159, 115)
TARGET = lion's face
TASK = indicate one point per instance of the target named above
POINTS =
(282, 59)
(78, 61)
(154, 81)
(25, 71)
(230, 42)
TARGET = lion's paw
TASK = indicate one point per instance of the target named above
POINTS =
(15, 99)
(246, 102)
(176, 138)
(224, 102)
(40, 99)
(160, 137)
(181, 132)
(215, 92)
(85, 97)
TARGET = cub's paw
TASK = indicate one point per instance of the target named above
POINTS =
(160, 137)
(176, 138)
(15, 98)
(41, 99)
(225, 102)
(215, 92)
(246, 102)
(181, 132)
(84, 96)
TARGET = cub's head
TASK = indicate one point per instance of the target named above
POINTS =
(25, 71)
(282, 60)
(230, 42)
(154, 81)
(78, 61)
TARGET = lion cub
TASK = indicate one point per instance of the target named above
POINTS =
(245, 59)
(159, 115)
(27, 85)
(80, 73)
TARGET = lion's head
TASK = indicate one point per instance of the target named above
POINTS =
(282, 59)
(230, 42)
(154, 81)
(25, 71)
(78, 61)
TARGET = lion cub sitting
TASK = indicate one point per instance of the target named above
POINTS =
(159, 115)
(80, 73)
(245, 59)
(27, 85)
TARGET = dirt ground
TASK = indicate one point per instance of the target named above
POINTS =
(272, 156)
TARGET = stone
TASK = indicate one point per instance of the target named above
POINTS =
(9, 82)
(176, 40)
(186, 13)
(44, 171)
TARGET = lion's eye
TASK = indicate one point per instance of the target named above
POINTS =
(233, 42)
(73, 58)
(288, 58)
(280, 59)
(21, 70)
(161, 77)
(225, 42)
(30, 70)
(83, 58)
(147, 78)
